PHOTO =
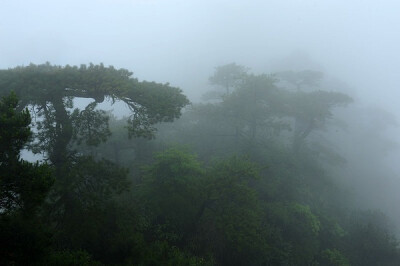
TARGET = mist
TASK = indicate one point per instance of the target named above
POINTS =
(353, 43)
(182, 41)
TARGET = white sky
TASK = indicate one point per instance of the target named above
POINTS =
(182, 41)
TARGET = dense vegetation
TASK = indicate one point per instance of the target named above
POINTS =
(243, 178)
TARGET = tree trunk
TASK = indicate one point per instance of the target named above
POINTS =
(59, 151)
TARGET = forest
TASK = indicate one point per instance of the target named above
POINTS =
(247, 176)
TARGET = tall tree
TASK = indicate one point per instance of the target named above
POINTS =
(309, 106)
(306, 79)
(311, 110)
(84, 186)
(228, 76)
(23, 187)
(50, 90)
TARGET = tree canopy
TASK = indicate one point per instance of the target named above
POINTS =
(50, 89)
(244, 179)
(41, 85)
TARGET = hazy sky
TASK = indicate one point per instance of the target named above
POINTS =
(182, 41)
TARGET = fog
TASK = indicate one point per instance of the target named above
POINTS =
(182, 41)
(354, 43)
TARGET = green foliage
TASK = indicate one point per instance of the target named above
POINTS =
(50, 89)
(299, 227)
(174, 183)
(90, 126)
(23, 187)
(14, 128)
(23, 240)
(91, 180)
(228, 76)
(303, 79)
(205, 210)
(161, 253)
(70, 258)
(369, 241)
(254, 107)
(78, 208)
(333, 257)
(150, 102)
(254, 190)
(317, 105)
(232, 222)
(81, 204)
